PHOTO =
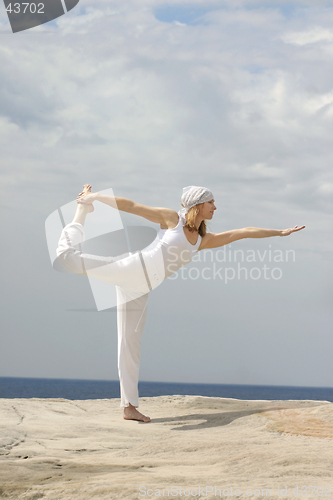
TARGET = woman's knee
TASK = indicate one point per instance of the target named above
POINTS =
(72, 261)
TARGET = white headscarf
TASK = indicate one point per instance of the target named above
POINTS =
(193, 195)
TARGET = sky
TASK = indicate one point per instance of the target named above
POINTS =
(145, 98)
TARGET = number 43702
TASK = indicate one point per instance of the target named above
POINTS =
(33, 8)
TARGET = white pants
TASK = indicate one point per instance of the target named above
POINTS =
(132, 295)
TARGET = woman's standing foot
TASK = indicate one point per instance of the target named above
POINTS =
(131, 413)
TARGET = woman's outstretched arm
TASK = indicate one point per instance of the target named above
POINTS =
(212, 240)
(154, 214)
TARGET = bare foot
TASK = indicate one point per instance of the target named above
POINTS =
(131, 413)
(86, 190)
(87, 208)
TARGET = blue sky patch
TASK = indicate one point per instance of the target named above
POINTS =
(287, 9)
(254, 68)
(186, 14)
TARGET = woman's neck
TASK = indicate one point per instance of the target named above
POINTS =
(198, 221)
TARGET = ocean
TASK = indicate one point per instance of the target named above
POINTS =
(12, 387)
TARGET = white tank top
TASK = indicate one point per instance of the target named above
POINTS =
(169, 252)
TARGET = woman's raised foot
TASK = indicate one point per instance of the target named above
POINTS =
(86, 190)
(88, 207)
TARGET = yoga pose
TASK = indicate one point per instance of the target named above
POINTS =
(181, 235)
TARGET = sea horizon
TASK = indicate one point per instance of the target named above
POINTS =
(66, 388)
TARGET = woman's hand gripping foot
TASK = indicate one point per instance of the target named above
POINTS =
(131, 413)
(87, 197)
(83, 209)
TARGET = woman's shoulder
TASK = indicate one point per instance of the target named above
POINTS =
(171, 219)
(205, 240)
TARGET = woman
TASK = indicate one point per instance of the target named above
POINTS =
(181, 235)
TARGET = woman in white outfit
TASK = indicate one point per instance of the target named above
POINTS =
(181, 235)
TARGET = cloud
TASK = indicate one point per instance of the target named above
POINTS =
(115, 95)
(314, 35)
(114, 85)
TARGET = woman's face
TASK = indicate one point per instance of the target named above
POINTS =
(207, 209)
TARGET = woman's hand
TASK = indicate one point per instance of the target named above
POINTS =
(286, 232)
(87, 198)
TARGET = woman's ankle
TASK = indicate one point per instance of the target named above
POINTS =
(81, 213)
